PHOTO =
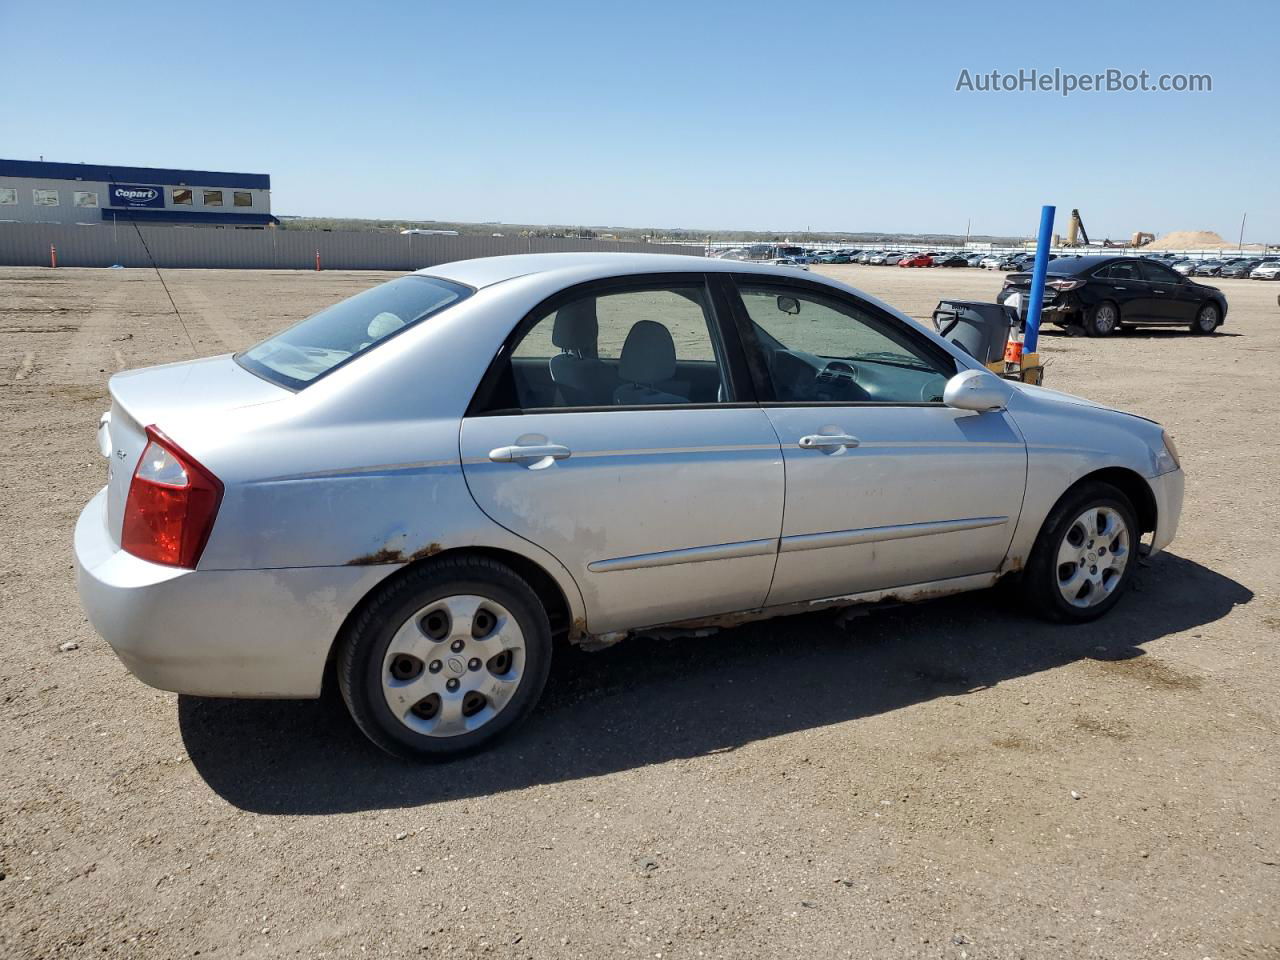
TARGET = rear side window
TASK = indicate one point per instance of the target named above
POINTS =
(326, 340)
(1119, 271)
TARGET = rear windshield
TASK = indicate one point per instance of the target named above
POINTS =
(326, 340)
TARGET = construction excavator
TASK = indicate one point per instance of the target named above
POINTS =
(1078, 236)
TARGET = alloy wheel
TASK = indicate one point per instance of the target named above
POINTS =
(1105, 319)
(453, 666)
(1092, 557)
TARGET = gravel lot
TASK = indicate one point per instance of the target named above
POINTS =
(947, 780)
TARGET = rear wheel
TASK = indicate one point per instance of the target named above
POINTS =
(445, 659)
(1207, 319)
(1084, 557)
(1102, 320)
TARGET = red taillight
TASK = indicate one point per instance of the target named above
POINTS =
(1064, 285)
(171, 505)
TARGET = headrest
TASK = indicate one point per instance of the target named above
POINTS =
(649, 354)
(575, 326)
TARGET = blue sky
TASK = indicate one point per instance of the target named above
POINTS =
(750, 115)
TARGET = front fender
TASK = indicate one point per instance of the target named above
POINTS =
(1067, 440)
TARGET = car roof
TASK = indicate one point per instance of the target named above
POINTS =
(486, 271)
(1079, 264)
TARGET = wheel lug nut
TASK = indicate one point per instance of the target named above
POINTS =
(1093, 569)
(456, 646)
(474, 664)
(435, 666)
(451, 685)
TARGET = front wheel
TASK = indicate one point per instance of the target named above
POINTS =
(445, 658)
(1084, 557)
(1207, 320)
(1102, 320)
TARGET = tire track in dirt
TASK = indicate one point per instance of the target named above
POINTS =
(132, 310)
(196, 305)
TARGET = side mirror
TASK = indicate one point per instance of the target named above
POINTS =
(977, 390)
(789, 305)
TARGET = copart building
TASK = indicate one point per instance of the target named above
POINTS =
(33, 191)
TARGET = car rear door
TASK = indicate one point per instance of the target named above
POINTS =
(886, 486)
(657, 481)
(1123, 284)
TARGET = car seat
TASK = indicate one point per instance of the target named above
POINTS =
(648, 358)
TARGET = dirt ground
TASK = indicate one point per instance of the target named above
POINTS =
(947, 780)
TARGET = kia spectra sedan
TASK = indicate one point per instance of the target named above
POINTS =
(427, 487)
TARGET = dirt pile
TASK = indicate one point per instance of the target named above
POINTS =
(1190, 240)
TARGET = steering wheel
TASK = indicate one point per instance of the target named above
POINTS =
(837, 380)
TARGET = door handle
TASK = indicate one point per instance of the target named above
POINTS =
(1117, 288)
(519, 454)
(820, 441)
(1159, 291)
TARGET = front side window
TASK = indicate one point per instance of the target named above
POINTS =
(182, 196)
(44, 198)
(242, 198)
(651, 346)
(1158, 273)
(818, 348)
(213, 198)
(315, 346)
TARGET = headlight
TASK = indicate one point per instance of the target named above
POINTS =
(1167, 459)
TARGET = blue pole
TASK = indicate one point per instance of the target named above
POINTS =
(1031, 336)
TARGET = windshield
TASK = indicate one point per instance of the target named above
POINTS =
(315, 346)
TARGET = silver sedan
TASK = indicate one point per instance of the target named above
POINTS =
(427, 487)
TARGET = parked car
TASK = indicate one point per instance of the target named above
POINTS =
(1186, 268)
(1208, 268)
(1268, 270)
(950, 260)
(1240, 267)
(786, 262)
(866, 255)
(975, 259)
(1103, 293)
(992, 261)
(885, 258)
(916, 260)
(425, 489)
(834, 258)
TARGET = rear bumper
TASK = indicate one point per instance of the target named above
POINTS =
(1168, 490)
(217, 633)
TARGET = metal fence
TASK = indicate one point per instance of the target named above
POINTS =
(104, 245)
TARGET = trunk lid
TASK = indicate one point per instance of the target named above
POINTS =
(154, 395)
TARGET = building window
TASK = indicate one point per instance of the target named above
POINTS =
(8, 196)
(242, 198)
(182, 196)
(44, 198)
(213, 198)
(85, 198)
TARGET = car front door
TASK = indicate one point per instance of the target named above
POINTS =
(1164, 286)
(616, 431)
(886, 486)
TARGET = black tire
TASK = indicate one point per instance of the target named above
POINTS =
(1040, 581)
(364, 646)
(1208, 319)
(1102, 319)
